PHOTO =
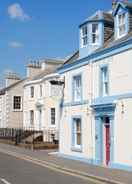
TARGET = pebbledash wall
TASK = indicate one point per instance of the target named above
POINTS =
(92, 107)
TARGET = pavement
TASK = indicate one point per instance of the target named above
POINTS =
(80, 169)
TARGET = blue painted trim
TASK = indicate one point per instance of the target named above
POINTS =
(98, 140)
(93, 162)
(73, 147)
(104, 53)
(112, 143)
(120, 166)
(99, 113)
(76, 149)
(83, 102)
(119, 4)
(109, 99)
(91, 47)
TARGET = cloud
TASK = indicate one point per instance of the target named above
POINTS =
(15, 44)
(15, 11)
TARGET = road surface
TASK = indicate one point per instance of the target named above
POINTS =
(18, 171)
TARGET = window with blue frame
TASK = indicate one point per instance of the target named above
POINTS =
(77, 88)
(104, 83)
(76, 133)
(95, 34)
(121, 24)
(84, 36)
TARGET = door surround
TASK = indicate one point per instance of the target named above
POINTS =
(102, 112)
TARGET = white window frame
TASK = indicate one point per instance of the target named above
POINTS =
(13, 100)
(76, 89)
(84, 36)
(95, 33)
(75, 132)
(104, 81)
(121, 24)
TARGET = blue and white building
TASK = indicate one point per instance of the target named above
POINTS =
(96, 109)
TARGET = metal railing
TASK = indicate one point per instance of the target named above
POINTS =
(29, 135)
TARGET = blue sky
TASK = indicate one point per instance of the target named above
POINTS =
(33, 29)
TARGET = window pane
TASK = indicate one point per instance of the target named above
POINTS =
(17, 102)
(31, 117)
(77, 88)
(78, 139)
(104, 81)
(32, 92)
(95, 28)
(84, 35)
(95, 36)
(77, 132)
(121, 20)
(52, 116)
(41, 90)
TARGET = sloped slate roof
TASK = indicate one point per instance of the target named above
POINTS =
(100, 15)
(2, 91)
(44, 73)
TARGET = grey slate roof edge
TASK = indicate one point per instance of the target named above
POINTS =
(106, 17)
(111, 44)
(69, 59)
(11, 86)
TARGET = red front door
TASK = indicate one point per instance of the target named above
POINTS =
(107, 138)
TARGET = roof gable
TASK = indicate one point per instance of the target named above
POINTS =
(120, 5)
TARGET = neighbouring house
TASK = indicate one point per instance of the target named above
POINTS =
(96, 119)
(42, 95)
(11, 102)
(11, 98)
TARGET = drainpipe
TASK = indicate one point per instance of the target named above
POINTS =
(91, 95)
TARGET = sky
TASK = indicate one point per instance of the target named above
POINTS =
(35, 29)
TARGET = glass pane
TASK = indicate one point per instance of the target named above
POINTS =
(95, 28)
(78, 139)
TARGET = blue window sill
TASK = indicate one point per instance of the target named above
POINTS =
(76, 149)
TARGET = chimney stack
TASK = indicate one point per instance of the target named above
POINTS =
(11, 78)
(33, 68)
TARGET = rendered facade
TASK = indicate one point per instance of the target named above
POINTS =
(11, 102)
(95, 123)
(42, 99)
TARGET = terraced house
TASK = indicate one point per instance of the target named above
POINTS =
(96, 118)
(42, 95)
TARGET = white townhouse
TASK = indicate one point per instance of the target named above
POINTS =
(11, 102)
(42, 95)
(96, 110)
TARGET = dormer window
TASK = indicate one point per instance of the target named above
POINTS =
(121, 24)
(95, 35)
(84, 36)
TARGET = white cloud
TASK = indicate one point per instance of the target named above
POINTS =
(15, 11)
(15, 44)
